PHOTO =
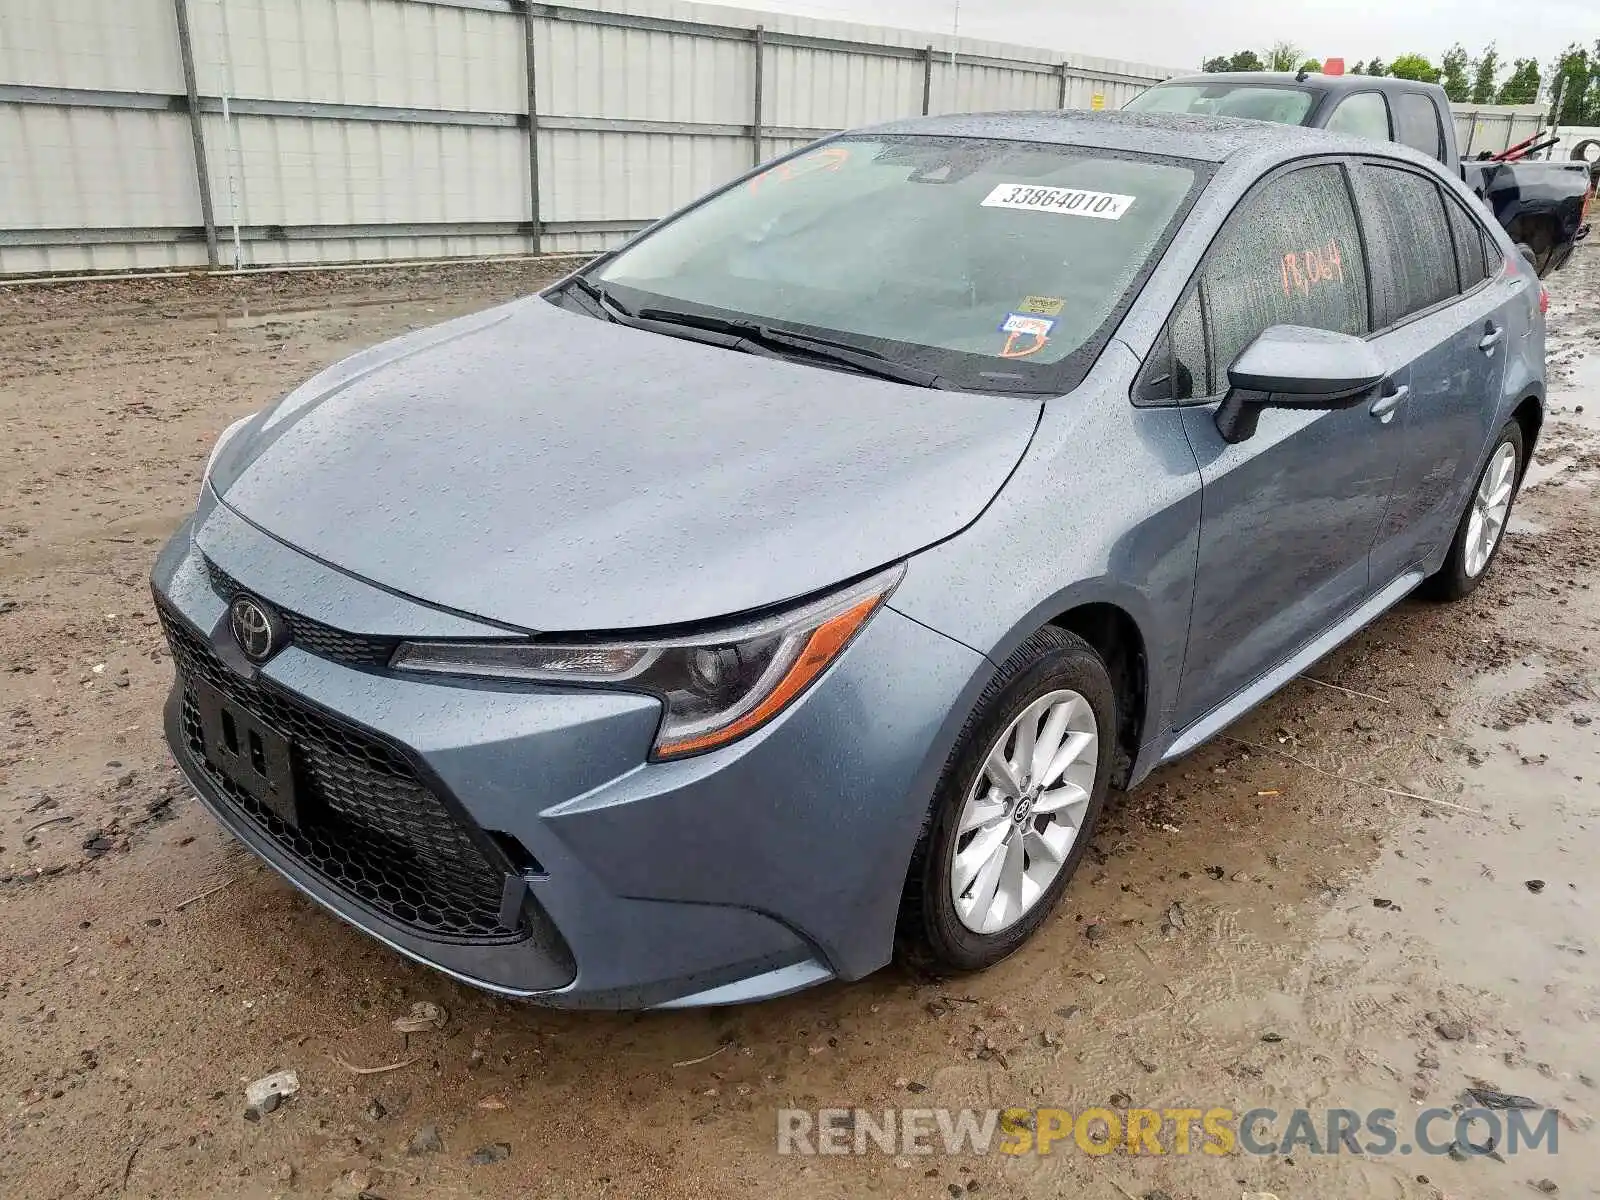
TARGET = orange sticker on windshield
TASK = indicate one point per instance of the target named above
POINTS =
(1303, 270)
(829, 158)
(1032, 341)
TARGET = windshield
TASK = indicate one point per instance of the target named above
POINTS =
(1285, 105)
(995, 265)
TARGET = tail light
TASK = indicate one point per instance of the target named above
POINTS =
(1544, 299)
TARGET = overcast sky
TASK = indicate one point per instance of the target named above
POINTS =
(1177, 34)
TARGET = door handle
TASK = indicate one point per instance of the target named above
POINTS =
(1384, 406)
(1493, 338)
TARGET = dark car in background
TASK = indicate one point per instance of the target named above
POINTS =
(797, 580)
(1544, 206)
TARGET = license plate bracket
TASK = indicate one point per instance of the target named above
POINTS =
(248, 752)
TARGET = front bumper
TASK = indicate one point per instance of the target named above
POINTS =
(752, 871)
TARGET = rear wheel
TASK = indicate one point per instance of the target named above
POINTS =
(1013, 813)
(1482, 527)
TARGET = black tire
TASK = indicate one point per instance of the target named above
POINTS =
(931, 936)
(1452, 582)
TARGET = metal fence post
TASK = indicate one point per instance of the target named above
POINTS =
(1061, 99)
(208, 215)
(927, 82)
(760, 82)
(535, 221)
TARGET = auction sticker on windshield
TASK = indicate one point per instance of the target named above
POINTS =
(1076, 202)
(1038, 327)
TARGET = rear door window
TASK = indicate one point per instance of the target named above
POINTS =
(1366, 114)
(1409, 230)
(1291, 255)
(1417, 124)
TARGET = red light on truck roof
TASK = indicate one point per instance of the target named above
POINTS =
(1334, 66)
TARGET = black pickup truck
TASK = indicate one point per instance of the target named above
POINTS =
(1543, 205)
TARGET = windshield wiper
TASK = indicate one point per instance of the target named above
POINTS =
(804, 345)
(609, 307)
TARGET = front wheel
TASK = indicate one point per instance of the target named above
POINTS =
(1483, 525)
(1014, 811)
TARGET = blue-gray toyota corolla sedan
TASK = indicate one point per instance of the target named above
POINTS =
(794, 583)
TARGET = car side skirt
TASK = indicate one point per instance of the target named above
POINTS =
(1228, 712)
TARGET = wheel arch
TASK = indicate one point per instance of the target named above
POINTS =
(1118, 640)
(1529, 415)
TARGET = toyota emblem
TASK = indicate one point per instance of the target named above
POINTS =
(255, 628)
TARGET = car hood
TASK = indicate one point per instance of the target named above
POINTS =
(554, 472)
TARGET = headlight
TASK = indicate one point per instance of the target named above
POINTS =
(714, 689)
(227, 436)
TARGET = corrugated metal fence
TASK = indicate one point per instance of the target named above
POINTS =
(1495, 128)
(170, 133)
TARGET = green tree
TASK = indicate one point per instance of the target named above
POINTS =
(1592, 116)
(1213, 65)
(1312, 66)
(1377, 67)
(1570, 86)
(1414, 67)
(1453, 74)
(1359, 69)
(1284, 56)
(1486, 75)
(1246, 60)
(1523, 85)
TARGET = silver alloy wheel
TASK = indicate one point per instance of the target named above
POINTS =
(1490, 506)
(1023, 812)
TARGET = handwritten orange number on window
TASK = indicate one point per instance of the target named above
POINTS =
(1303, 270)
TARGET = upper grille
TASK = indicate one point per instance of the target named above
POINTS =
(369, 826)
(352, 649)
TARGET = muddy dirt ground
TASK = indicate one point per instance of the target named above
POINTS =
(1260, 925)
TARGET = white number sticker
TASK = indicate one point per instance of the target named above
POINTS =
(1076, 202)
(1038, 327)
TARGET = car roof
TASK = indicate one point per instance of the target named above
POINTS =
(1168, 135)
(1315, 81)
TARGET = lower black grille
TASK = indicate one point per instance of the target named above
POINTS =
(369, 827)
(352, 649)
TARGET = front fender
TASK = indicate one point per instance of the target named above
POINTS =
(1103, 509)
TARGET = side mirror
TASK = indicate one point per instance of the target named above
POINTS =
(1292, 366)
